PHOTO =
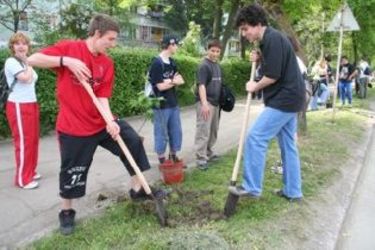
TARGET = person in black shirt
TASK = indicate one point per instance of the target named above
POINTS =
(209, 81)
(346, 77)
(164, 79)
(284, 96)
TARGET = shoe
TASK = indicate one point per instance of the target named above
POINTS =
(37, 176)
(213, 158)
(202, 165)
(31, 185)
(240, 191)
(66, 218)
(139, 195)
(175, 159)
(161, 160)
(281, 194)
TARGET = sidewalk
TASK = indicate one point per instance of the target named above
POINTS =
(359, 224)
(26, 215)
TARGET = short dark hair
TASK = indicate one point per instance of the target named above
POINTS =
(252, 15)
(102, 23)
(214, 43)
(328, 58)
(344, 57)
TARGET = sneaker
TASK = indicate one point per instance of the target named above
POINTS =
(37, 176)
(174, 158)
(139, 195)
(213, 158)
(240, 191)
(281, 194)
(202, 165)
(66, 218)
(31, 185)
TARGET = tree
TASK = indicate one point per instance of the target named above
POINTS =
(12, 11)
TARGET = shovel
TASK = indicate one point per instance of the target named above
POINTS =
(232, 199)
(160, 210)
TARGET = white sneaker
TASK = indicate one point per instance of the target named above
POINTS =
(31, 185)
(37, 176)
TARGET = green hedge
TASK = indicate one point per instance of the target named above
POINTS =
(131, 66)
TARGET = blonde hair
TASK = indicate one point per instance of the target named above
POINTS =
(15, 38)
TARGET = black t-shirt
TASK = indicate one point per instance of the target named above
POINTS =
(209, 74)
(159, 71)
(279, 62)
(345, 71)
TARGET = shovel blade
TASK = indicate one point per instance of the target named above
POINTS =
(230, 204)
(161, 212)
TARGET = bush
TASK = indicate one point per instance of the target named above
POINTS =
(131, 67)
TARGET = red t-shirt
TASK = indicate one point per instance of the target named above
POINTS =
(78, 115)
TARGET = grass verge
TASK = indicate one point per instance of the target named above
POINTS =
(195, 207)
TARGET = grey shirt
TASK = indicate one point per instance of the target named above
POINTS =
(209, 74)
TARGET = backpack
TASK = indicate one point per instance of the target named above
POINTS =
(227, 99)
(5, 90)
(149, 89)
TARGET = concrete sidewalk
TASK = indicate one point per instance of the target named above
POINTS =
(359, 224)
(26, 215)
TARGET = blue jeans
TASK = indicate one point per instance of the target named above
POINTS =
(167, 128)
(271, 123)
(345, 91)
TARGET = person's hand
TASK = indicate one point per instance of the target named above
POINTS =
(78, 68)
(251, 86)
(113, 129)
(254, 57)
(22, 56)
(205, 111)
(177, 79)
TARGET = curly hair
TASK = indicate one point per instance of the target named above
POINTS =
(252, 15)
(15, 38)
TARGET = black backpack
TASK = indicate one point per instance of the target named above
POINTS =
(5, 90)
(227, 98)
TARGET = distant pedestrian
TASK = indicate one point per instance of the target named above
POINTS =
(363, 77)
(284, 96)
(346, 78)
(209, 82)
(22, 111)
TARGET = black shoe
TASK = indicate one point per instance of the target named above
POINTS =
(139, 195)
(66, 218)
(280, 193)
(142, 196)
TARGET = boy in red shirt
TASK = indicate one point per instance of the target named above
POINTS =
(79, 126)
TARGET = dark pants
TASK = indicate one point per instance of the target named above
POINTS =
(77, 153)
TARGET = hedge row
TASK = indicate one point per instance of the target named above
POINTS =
(131, 66)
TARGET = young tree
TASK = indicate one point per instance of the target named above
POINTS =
(12, 11)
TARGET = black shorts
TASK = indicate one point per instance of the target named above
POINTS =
(77, 153)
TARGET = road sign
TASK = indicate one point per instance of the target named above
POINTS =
(345, 19)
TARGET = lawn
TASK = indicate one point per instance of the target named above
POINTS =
(195, 207)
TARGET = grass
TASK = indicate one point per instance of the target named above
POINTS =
(195, 207)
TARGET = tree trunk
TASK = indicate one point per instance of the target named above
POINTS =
(217, 19)
(229, 26)
(276, 13)
(355, 48)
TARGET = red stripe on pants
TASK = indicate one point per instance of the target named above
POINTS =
(23, 120)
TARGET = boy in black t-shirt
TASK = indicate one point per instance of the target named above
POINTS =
(164, 78)
(209, 81)
(284, 96)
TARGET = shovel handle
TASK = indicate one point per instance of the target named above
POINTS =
(243, 130)
(108, 119)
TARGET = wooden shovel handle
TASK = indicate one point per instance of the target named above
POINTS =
(243, 129)
(108, 119)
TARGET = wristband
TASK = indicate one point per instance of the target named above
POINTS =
(61, 61)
